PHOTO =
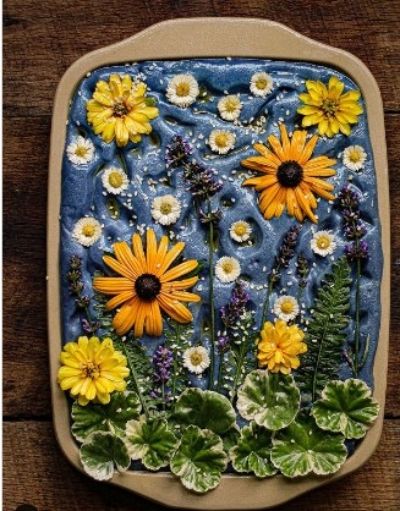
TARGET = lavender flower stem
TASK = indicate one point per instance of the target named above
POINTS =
(211, 299)
(357, 314)
(220, 372)
(136, 382)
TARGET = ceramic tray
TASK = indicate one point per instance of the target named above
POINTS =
(212, 38)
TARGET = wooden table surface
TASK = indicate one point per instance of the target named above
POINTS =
(42, 39)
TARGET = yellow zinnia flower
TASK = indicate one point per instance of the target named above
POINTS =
(279, 346)
(290, 176)
(328, 107)
(147, 284)
(92, 369)
(120, 110)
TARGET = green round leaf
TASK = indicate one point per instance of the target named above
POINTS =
(346, 407)
(123, 406)
(199, 459)
(302, 448)
(206, 409)
(101, 453)
(151, 441)
(252, 452)
(271, 400)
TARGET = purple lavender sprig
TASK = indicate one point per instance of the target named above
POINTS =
(286, 252)
(302, 270)
(162, 363)
(232, 316)
(201, 181)
(357, 252)
(236, 307)
(178, 152)
(202, 185)
(76, 289)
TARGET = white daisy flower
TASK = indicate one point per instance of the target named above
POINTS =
(240, 231)
(196, 359)
(115, 180)
(221, 141)
(87, 231)
(165, 209)
(354, 157)
(229, 107)
(323, 243)
(80, 151)
(182, 90)
(261, 84)
(227, 269)
(286, 307)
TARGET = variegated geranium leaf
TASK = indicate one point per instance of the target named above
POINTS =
(199, 459)
(123, 406)
(302, 448)
(346, 407)
(101, 453)
(150, 440)
(271, 400)
(205, 409)
(252, 452)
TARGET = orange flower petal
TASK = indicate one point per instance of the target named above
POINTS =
(125, 257)
(178, 271)
(151, 251)
(175, 309)
(112, 285)
(170, 257)
(138, 250)
(118, 267)
(177, 285)
(120, 299)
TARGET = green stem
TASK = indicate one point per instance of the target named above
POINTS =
(220, 372)
(265, 311)
(357, 315)
(300, 293)
(163, 395)
(242, 353)
(136, 382)
(211, 299)
(315, 378)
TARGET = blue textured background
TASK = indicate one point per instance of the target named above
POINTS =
(82, 190)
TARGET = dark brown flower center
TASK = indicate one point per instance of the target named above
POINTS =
(147, 286)
(120, 109)
(290, 174)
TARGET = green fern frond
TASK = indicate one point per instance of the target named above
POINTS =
(325, 336)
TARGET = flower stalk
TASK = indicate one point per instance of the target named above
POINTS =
(282, 260)
(203, 186)
(356, 252)
(136, 381)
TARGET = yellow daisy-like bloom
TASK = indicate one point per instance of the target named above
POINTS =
(291, 178)
(120, 110)
(147, 284)
(327, 106)
(92, 369)
(279, 347)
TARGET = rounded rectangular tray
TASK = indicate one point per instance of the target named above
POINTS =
(215, 37)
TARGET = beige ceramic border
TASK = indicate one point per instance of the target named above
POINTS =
(212, 37)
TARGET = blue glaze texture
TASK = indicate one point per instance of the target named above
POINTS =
(82, 190)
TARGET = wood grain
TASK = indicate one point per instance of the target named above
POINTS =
(47, 481)
(41, 39)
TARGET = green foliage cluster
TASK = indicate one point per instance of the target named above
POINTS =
(326, 331)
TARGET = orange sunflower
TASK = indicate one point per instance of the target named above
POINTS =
(147, 285)
(291, 178)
